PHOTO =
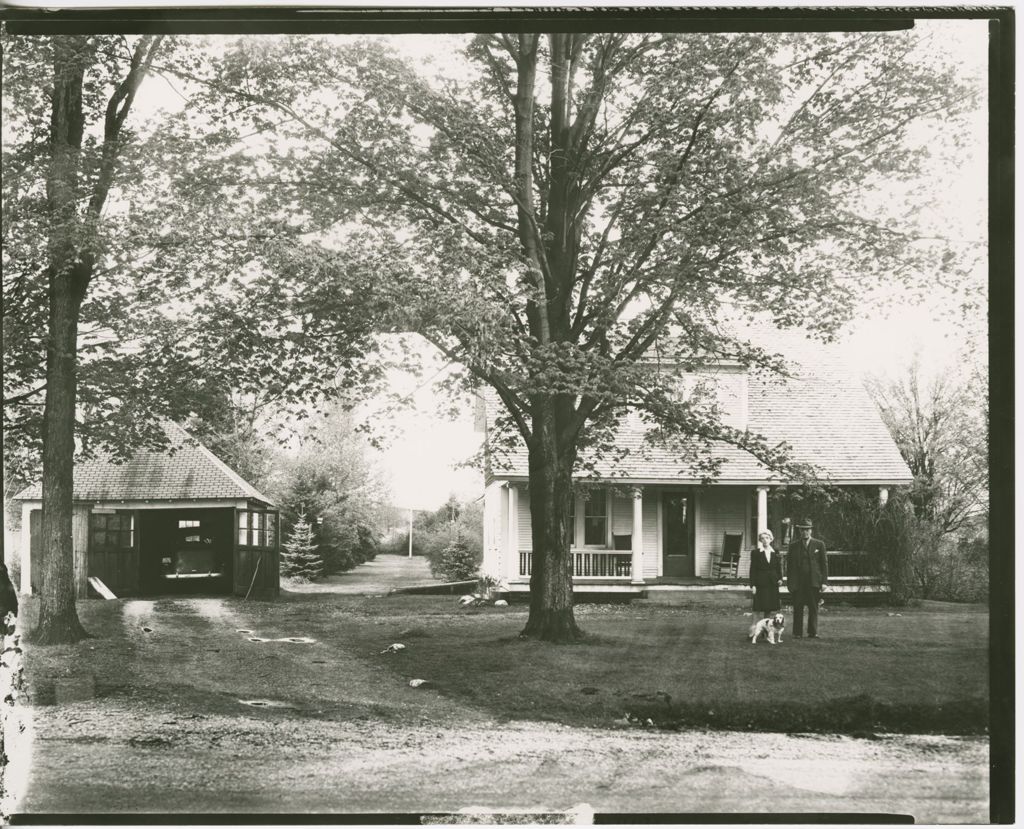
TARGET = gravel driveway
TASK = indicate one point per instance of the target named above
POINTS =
(166, 725)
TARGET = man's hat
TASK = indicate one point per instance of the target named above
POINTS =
(806, 524)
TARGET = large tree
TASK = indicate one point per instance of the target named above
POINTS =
(569, 217)
(133, 262)
(86, 86)
(941, 427)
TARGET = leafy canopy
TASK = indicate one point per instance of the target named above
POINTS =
(572, 219)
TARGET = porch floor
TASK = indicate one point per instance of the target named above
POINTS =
(665, 586)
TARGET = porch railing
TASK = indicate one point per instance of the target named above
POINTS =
(844, 564)
(583, 564)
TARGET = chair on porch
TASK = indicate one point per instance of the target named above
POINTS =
(726, 564)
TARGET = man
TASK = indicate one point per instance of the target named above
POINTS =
(806, 577)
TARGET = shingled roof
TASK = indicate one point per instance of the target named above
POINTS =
(187, 471)
(822, 411)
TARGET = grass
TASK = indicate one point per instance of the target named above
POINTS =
(923, 671)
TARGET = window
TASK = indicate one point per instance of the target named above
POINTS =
(257, 529)
(185, 524)
(571, 526)
(111, 531)
(595, 520)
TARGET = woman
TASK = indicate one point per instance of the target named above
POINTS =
(765, 576)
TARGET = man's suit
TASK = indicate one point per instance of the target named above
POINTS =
(806, 574)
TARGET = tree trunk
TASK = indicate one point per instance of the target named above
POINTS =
(69, 268)
(551, 616)
(58, 617)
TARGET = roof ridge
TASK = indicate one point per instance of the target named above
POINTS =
(236, 479)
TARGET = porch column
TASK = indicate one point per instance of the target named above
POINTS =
(762, 509)
(512, 568)
(637, 568)
(883, 496)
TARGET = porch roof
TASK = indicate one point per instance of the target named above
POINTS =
(822, 411)
(185, 471)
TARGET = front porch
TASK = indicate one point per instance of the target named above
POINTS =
(597, 568)
(657, 535)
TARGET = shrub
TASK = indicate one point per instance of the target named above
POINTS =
(457, 562)
(344, 546)
(920, 561)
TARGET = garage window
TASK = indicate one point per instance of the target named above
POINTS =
(111, 531)
(257, 529)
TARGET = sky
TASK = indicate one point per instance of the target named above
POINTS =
(422, 460)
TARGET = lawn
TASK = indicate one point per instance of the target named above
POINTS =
(914, 670)
(920, 670)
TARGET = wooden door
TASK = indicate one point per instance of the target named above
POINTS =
(677, 534)
(113, 552)
(256, 548)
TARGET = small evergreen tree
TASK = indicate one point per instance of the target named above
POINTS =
(457, 562)
(300, 558)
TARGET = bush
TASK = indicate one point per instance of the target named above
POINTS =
(457, 562)
(434, 532)
(910, 552)
(920, 561)
(346, 545)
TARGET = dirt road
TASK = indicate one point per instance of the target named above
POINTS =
(166, 724)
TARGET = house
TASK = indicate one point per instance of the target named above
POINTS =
(166, 522)
(644, 520)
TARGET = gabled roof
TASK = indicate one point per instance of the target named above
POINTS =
(822, 411)
(187, 471)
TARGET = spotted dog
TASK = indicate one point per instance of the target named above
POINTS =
(771, 628)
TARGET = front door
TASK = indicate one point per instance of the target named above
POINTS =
(677, 534)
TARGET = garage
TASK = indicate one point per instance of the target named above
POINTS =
(169, 522)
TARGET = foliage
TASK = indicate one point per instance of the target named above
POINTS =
(330, 478)
(941, 429)
(434, 532)
(132, 272)
(568, 218)
(922, 561)
(457, 562)
(915, 554)
(300, 558)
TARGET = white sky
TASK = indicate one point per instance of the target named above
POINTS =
(421, 461)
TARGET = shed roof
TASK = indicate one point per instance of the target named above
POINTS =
(822, 411)
(185, 471)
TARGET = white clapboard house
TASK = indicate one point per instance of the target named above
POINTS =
(645, 520)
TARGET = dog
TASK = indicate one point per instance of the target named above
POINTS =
(771, 627)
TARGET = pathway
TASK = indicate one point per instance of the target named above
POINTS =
(379, 576)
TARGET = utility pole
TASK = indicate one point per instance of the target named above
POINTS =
(410, 532)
